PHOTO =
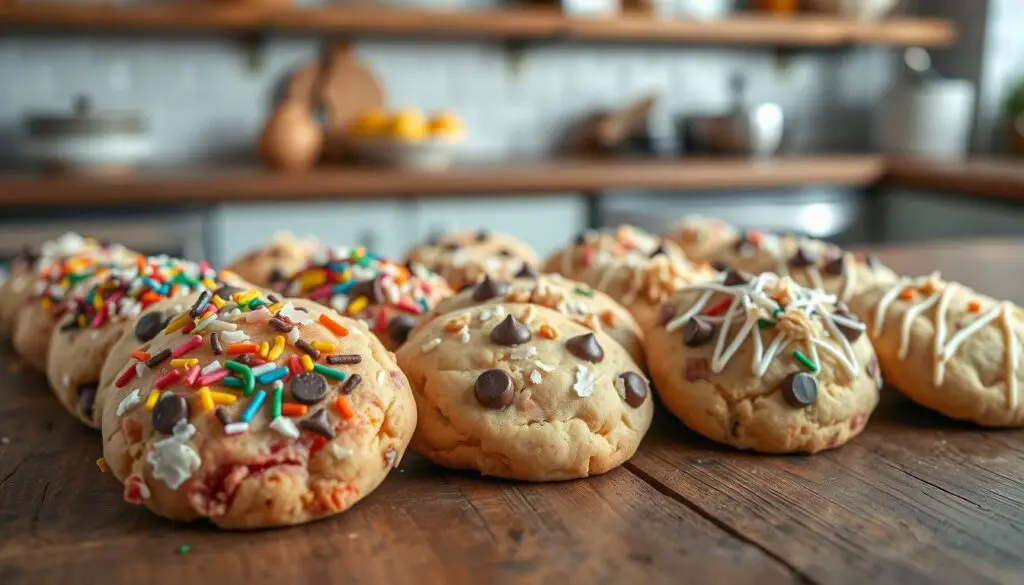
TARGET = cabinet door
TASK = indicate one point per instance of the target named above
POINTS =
(381, 227)
(544, 222)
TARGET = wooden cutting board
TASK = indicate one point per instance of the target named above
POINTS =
(346, 89)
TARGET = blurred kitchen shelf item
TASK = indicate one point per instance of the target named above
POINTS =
(543, 178)
(523, 23)
(991, 178)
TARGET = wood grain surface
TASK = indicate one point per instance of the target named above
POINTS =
(915, 499)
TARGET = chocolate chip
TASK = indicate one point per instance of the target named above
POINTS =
(399, 328)
(86, 399)
(276, 276)
(697, 332)
(350, 383)
(216, 344)
(660, 250)
(150, 325)
(585, 347)
(483, 235)
(451, 246)
(344, 358)
(836, 266)
(666, 312)
(527, 271)
(505, 253)
(510, 332)
(695, 369)
(850, 333)
(168, 411)
(581, 238)
(720, 265)
(226, 291)
(489, 288)
(800, 389)
(803, 258)
(308, 388)
(318, 424)
(735, 277)
(370, 289)
(494, 389)
(635, 387)
(158, 357)
(222, 415)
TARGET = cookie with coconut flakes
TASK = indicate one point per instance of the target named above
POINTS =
(465, 257)
(524, 392)
(262, 414)
(270, 265)
(57, 278)
(764, 364)
(631, 266)
(389, 297)
(575, 299)
(949, 348)
(702, 239)
(109, 308)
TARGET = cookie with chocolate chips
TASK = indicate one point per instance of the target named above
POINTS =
(270, 265)
(576, 300)
(765, 364)
(464, 257)
(194, 431)
(525, 392)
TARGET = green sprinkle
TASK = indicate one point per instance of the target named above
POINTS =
(233, 382)
(585, 292)
(276, 404)
(765, 323)
(246, 372)
(329, 372)
(807, 363)
(184, 549)
(255, 303)
(777, 312)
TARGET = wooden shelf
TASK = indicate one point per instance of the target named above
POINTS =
(999, 179)
(505, 24)
(359, 183)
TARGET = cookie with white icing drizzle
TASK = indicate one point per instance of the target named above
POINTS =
(630, 265)
(702, 239)
(949, 348)
(763, 363)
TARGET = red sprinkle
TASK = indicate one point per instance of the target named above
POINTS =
(101, 316)
(255, 361)
(188, 327)
(718, 308)
(408, 306)
(321, 293)
(167, 379)
(212, 378)
(188, 346)
(192, 375)
(125, 376)
(294, 366)
(380, 325)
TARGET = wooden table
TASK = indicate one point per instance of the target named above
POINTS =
(916, 499)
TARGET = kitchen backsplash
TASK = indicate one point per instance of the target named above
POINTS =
(204, 104)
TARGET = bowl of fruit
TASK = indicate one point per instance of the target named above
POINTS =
(407, 138)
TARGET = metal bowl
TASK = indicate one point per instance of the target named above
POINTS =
(756, 131)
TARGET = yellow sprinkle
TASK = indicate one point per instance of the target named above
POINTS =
(357, 305)
(46, 304)
(275, 351)
(210, 284)
(154, 395)
(222, 397)
(244, 298)
(97, 302)
(177, 323)
(81, 320)
(360, 252)
(264, 349)
(205, 400)
(307, 363)
(275, 307)
(102, 464)
(325, 346)
(312, 279)
(184, 362)
(217, 301)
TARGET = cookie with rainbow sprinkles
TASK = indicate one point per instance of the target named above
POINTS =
(389, 297)
(269, 265)
(253, 412)
(99, 314)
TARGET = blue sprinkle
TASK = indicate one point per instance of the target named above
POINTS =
(272, 375)
(340, 289)
(254, 406)
(424, 305)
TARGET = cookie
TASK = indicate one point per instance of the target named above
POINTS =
(463, 258)
(100, 314)
(236, 422)
(765, 365)
(269, 266)
(949, 348)
(388, 297)
(632, 266)
(574, 299)
(57, 278)
(16, 288)
(524, 392)
(702, 239)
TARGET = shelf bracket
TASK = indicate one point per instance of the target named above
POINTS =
(515, 56)
(254, 46)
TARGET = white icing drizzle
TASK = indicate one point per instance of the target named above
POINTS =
(943, 350)
(849, 278)
(754, 304)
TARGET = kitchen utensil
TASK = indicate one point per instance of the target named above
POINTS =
(87, 141)
(609, 131)
(292, 139)
(346, 90)
(859, 9)
(929, 119)
(918, 62)
(746, 130)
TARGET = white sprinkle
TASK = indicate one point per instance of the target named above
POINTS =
(230, 316)
(485, 316)
(544, 367)
(211, 367)
(464, 334)
(522, 352)
(339, 303)
(236, 428)
(260, 315)
(380, 377)
(234, 336)
(218, 325)
(263, 368)
(283, 425)
(499, 311)
(130, 401)
(340, 452)
(205, 322)
(278, 385)
(293, 335)
(536, 377)
(430, 345)
(140, 369)
(584, 385)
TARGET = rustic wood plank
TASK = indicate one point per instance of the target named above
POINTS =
(62, 521)
(997, 179)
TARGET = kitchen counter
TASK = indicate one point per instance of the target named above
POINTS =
(915, 499)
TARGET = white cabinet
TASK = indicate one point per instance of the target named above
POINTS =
(544, 222)
(383, 227)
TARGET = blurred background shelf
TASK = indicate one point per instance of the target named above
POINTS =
(504, 24)
(218, 186)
